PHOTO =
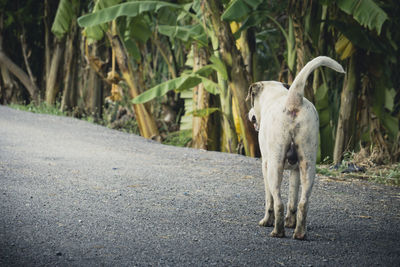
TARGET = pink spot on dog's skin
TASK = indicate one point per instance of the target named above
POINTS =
(292, 113)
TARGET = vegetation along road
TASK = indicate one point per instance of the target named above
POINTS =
(75, 193)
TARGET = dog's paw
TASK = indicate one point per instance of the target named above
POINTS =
(267, 221)
(275, 233)
(290, 221)
(299, 235)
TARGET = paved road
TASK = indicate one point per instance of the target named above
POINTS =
(78, 194)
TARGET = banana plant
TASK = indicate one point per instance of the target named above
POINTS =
(366, 12)
(196, 32)
(361, 37)
(238, 77)
(62, 25)
(103, 21)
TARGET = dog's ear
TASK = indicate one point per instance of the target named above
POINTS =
(287, 86)
(254, 90)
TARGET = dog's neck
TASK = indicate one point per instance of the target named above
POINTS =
(271, 91)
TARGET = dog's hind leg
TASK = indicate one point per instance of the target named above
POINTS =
(307, 175)
(268, 219)
(274, 174)
(294, 182)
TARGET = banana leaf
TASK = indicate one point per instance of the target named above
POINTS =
(179, 84)
(219, 66)
(238, 9)
(66, 12)
(325, 129)
(187, 119)
(365, 12)
(129, 9)
(360, 37)
(139, 29)
(132, 49)
(185, 33)
(205, 71)
(203, 112)
(97, 32)
(383, 101)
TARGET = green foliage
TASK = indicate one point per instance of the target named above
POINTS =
(159, 35)
(383, 106)
(129, 9)
(366, 12)
(181, 83)
(178, 138)
(238, 9)
(203, 112)
(324, 107)
(360, 37)
(185, 33)
(66, 13)
(387, 174)
(139, 28)
(323, 170)
(219, 66)
(96, 32)
(42, 108)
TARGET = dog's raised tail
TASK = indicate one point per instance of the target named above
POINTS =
(296, 90)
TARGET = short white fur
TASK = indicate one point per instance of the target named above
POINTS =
(287, 123)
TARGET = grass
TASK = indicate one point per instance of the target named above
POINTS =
(178, 138)
(389, 175)
(42, 108)
(129, 126)
(384, 174)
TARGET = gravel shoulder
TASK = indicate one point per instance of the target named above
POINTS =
(78, 194)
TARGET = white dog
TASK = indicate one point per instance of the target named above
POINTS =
(288, 136)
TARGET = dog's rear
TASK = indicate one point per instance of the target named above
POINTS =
(288, 137)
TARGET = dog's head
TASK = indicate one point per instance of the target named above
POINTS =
(253, 119)
(254, 90)
(254, 113)
(254, 95)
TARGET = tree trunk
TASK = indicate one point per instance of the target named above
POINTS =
(298, 12)
(200, 101)
(20, 74)
(145, 120)
(51, 84)
(239, 79)
(47, 49)
(346, 119)
(229, 137)
(247, 49)
(9, 86)
(326, 139)
(95, 93)
(25, 54)
(69, 94)
(8, 65)
(95, 90)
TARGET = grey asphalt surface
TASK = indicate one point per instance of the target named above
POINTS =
(77, 194)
